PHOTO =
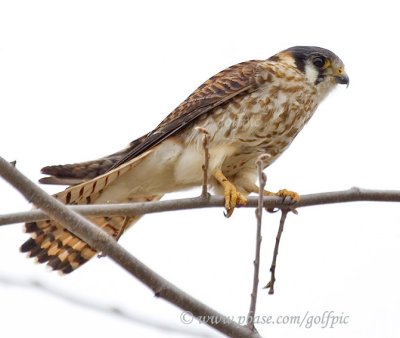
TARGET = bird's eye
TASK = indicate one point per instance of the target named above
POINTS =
(318, 62)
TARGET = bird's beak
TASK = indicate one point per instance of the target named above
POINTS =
(341, 76)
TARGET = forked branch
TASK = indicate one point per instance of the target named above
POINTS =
(69, 217)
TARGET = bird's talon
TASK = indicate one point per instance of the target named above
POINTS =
(232, 196)
(232, 199)
(228, 213)
(272, 210)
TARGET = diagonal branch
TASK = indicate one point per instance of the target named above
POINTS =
(102, 242)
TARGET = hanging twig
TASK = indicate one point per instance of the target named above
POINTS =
(271, 283)
(262, 180)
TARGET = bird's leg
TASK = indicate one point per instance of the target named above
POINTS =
(232, 196)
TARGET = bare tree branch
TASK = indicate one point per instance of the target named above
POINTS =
(131, 209)
(271, 283)
(102, 242)
(262, 179)
(162, 288)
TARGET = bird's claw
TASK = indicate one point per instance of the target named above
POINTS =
(232, 198)
(284, 193)
(289, 198)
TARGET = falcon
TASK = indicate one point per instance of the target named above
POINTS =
(252, 108)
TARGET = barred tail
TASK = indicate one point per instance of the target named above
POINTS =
(61, 249)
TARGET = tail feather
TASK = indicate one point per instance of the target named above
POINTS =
(62, 250)
(71, 174)
(63, 174)
(88, 192)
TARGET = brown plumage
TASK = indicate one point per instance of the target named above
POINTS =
(248, 109)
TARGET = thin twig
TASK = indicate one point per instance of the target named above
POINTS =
(271, 283)
(142, 208)
(206, 142)
(102, 242)
(262, 180)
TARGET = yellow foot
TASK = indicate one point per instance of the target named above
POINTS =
(284, 193)
(294, 196)
(232, 196)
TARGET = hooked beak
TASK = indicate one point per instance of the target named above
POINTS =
(341, 77)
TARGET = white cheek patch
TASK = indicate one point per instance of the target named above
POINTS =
(311, 73)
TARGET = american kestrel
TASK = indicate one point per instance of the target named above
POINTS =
(249, 109)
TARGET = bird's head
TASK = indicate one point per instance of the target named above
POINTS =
(320, 66)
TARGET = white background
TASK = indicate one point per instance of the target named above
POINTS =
(81, 79)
